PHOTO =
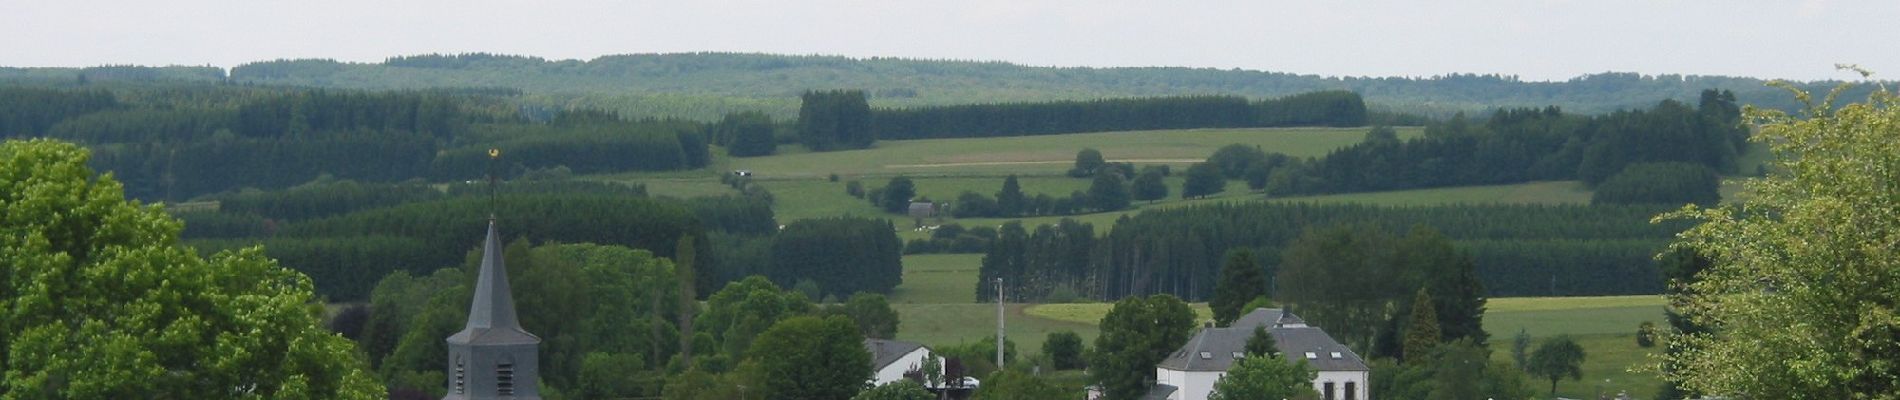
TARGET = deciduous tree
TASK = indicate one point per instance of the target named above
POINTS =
(1266, 377)
(1136, 334)
(808, 358)
(1556, 358)
(102, 302)
(1804, 278)
(1203, 179)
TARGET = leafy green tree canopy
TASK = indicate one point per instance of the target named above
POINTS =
(807, 358)
(1203, 179)
(1136, 334)
(1266, 377)
(1803, 279)
(900, 390)
(1556, 358)
(101, 301)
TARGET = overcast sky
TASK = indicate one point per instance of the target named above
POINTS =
(1536, 40)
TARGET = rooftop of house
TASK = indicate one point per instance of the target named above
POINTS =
(884, 352)
(1217, 349)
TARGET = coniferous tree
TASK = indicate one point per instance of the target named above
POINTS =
(1241, 281)
(1423, 334)
(1010, 201)
(1261, 343)
(836, 119)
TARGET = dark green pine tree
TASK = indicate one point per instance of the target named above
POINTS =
(1261, 344)
(1460, 303)
(1241, 281)
(1010, 201)
(1423, 333)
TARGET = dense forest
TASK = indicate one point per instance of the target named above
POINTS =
(1520, 250)
(1108, 115)
(707, 86)
(215, 139)
(1511, 146)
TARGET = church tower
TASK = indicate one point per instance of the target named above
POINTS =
(492, 357)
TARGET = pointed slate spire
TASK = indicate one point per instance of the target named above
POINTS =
(494, 305)
(491, 316)
(492, 358)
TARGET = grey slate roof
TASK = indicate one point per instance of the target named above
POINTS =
(1219, 345)
(1261, 316)
(884, 352)
(491, 316)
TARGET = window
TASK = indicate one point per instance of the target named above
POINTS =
(1329, 394)
(1239, 355)
(1312, 356)
(1207, 355)
(1352, 390)
(1336, 355)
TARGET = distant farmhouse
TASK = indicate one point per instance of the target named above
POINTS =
(891, 359)
(922, 209)
(1190, 373)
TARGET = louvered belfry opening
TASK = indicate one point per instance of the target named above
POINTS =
(505, 379)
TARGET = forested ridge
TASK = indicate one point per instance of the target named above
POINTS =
(176, 143)
(706, 86)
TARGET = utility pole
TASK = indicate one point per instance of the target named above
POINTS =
(999, 323)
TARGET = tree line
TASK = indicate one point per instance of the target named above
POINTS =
(1520, 145)
(1333, 108)
(1519, 250)
(176, 143)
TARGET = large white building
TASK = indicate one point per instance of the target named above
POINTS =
(1190, 373)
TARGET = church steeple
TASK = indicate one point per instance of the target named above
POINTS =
(494, 305)
(492, 357)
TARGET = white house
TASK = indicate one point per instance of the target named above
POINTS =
(1190, 373)
(891, 359)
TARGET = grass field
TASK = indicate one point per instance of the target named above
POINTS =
(1045, 155)
(1605, 326)
(1558, 192)
(938, 279)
